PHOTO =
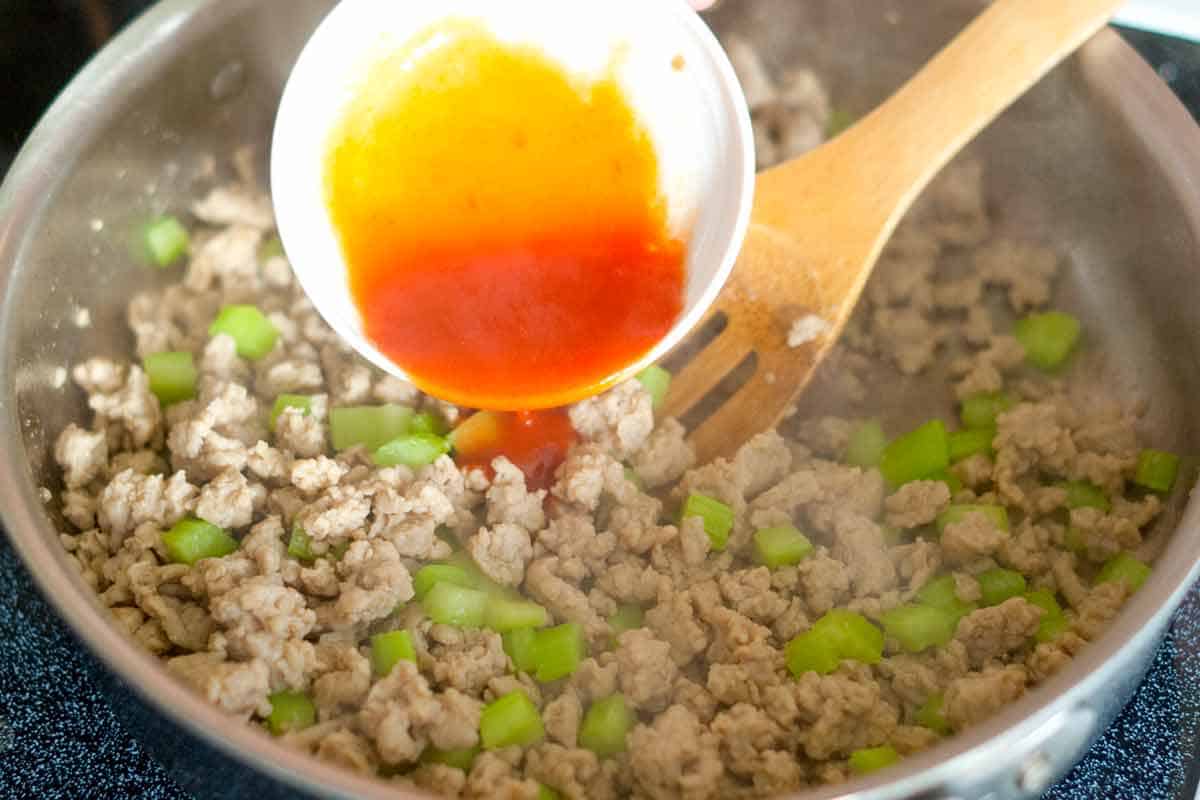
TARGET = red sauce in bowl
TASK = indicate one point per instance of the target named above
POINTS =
(502, 223)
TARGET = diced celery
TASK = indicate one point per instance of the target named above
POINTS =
(1124, 567)
(1048, 338)
(969, 442)
(411, 450)
(657, 382)
(811, 652)
(271, 248)
(448, 604)
(192, 539)
(917, 454)
(837, 635)
(952, 481)
(558, 651)
(1053, 621)
(997, 585)
(718, 517)
(871, 759)
(459, 759)
(504, 615)
(432, 574)
(605, 725)
(1082, 494)
(300, 545)
(930, 715)
(510, 721)
(1051, 627)
(388, 648)
(981, 410)
(854, 634)
(1156, 470)
(167, 241)
(338, 549)
(172, 376)
(546, 793)
(426, 422)
(290, 711)
(997, 515)
(627, 618)
(479, 432)
(941, 593)
(866, 445)
(919, 627)
(782, 546)
(520, 645)
(249, 327)
(300, 401)
(369, 426)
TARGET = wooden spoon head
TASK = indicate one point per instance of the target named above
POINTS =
(801, 270)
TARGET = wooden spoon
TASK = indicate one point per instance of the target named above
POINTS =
(820, 221)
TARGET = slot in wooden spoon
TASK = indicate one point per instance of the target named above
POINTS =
(820, 221)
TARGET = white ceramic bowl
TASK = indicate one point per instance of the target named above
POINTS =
(697, 119)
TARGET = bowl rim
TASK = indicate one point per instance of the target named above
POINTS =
(1156, 117)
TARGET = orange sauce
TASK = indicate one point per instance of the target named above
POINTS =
(502, 222)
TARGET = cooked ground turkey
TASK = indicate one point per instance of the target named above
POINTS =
(718, 713)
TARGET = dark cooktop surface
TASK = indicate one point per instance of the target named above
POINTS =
(58, 736)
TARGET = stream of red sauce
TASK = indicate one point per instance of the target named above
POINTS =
(536, 442)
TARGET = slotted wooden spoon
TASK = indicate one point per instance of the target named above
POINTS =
(820, 222)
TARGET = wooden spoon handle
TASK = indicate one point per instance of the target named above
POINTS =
(896, 150)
